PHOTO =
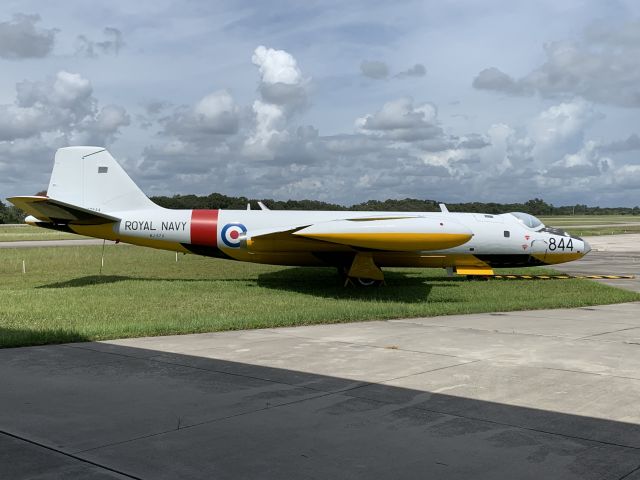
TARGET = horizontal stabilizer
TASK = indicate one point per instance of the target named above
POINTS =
(49, 210)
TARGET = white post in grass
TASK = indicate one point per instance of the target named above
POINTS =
(176, 256)
(24, 267)
(102, 258)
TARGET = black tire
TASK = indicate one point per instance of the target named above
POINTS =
(366, 282)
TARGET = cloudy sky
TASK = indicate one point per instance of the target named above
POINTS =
(338, 101)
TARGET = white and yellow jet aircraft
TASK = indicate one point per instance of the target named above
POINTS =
(90, 194)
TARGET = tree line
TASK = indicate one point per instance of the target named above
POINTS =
(536, 206)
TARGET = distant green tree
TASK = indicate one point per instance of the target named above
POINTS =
(10, 214)
(537, 206)
(3, 212)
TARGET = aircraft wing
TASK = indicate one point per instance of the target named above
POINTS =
(49, 210)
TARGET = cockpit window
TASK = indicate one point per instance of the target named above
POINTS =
(528, 220)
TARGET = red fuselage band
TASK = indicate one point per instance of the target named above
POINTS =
(204, 227)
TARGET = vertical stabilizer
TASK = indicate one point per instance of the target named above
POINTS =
(91, 178)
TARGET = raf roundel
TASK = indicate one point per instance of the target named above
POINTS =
(232, 233)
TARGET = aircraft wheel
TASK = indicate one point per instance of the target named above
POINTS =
(367, 282)
(357, 281)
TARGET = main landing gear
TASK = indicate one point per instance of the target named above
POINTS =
(363, 272)
(362, 282)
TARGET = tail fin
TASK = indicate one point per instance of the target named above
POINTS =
(90, 177)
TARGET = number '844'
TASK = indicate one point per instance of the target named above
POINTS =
(560, 244)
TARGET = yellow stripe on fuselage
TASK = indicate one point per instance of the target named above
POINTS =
(551, 258)
(395, 241)
(97, 231)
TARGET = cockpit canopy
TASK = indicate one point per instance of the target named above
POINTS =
(528, 220)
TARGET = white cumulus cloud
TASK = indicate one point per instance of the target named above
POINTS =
(276, 66)
(21, 38)
(600, 66)
(401, 120)
(269, 121)
(63, 105)
(283, 91)
(216, 114)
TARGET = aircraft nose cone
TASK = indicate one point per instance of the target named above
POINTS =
(587, 247)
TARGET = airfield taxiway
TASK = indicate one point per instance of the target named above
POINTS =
(54, 243)
(536, 394)
(610, 254)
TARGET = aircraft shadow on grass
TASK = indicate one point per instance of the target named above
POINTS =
(16, 337)
(399, 287)
(318, 282)
(88, 280)
(108, 279)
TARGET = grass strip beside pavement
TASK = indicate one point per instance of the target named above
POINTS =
(598, 231)
(144, 292)
(566, 220)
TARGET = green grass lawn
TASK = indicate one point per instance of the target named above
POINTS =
(589, 220)
(62, 297)
(596, 231)
(16, 233)
(585, 225)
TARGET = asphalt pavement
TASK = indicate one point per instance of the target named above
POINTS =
(610, 255)
(53, 243)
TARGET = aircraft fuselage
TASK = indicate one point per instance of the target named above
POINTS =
(497, 240)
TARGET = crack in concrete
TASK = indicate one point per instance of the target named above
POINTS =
(626, 475)
(606, 333)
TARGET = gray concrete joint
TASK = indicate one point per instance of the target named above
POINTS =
(70, 455)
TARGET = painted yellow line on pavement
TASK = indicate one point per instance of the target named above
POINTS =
(563, 277)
